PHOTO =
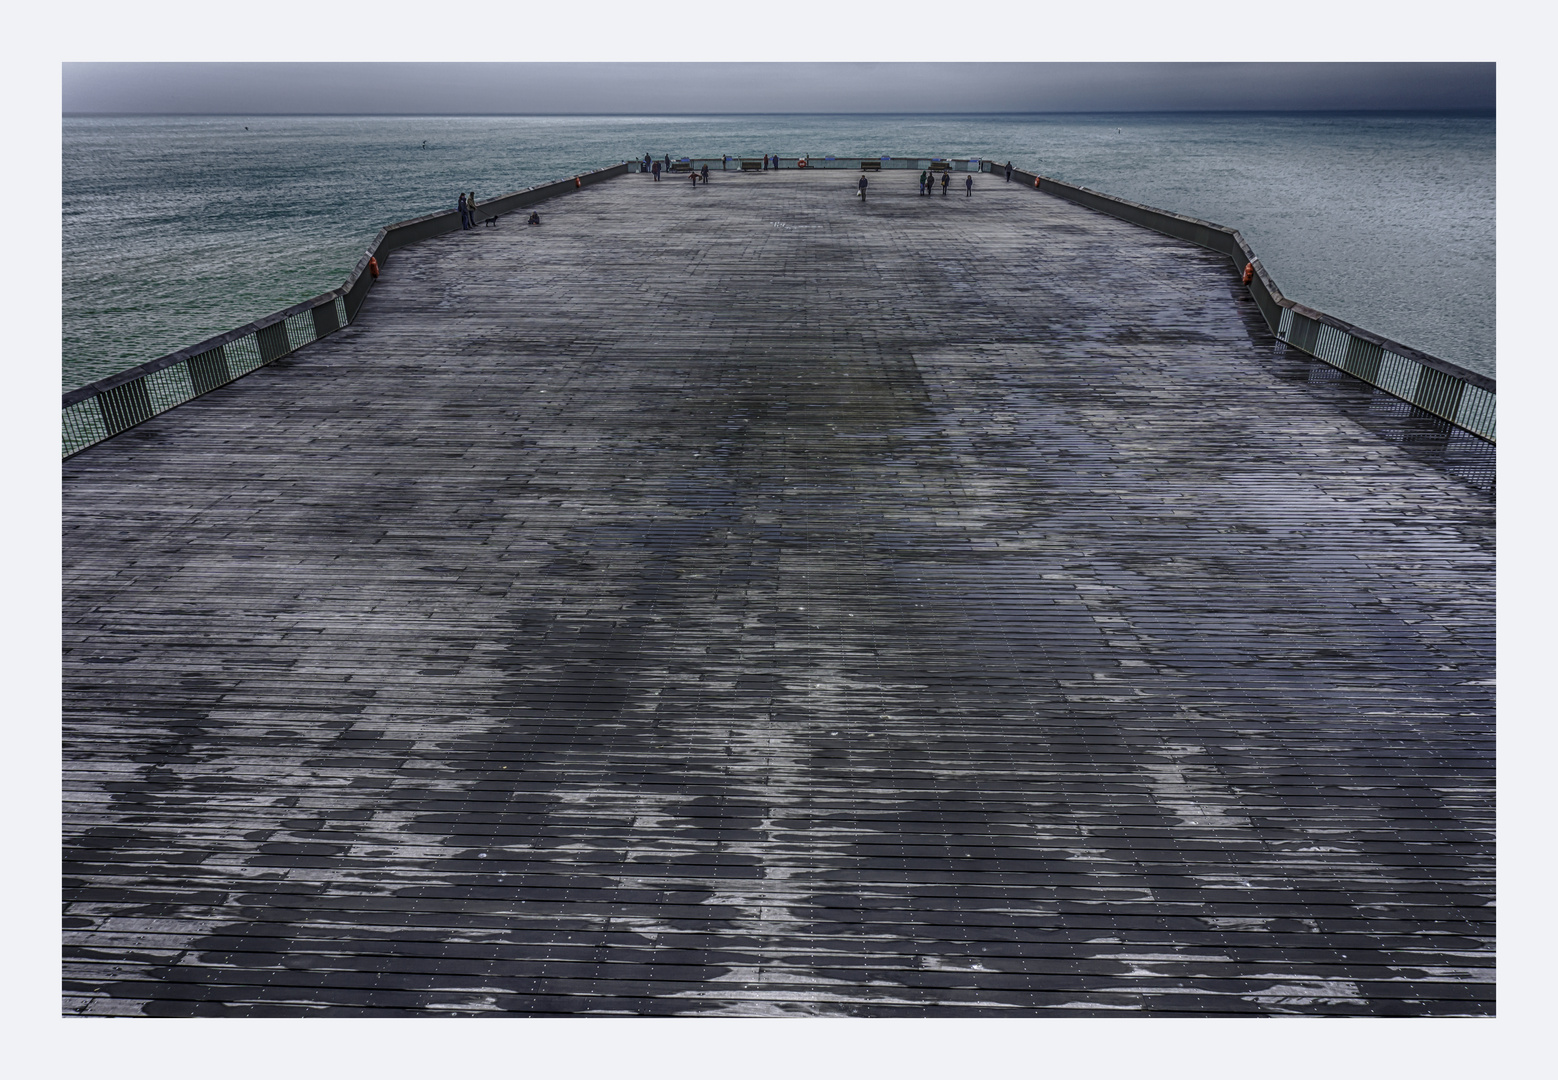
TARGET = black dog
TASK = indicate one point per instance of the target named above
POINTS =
(493, 221)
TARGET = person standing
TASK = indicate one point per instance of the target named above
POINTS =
(1008, 172)
(465, 214)
(705, 174)
(968, 185)
(924, 179)
(946, 181)
(862, 187)
(470, 206)
(657, 171)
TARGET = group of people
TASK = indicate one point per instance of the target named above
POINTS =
(654, 168)
(928, 183)
(467, 206)
(467, 210)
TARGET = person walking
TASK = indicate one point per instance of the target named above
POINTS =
(946, 182)
(465, 214)
(924, 179)
(692, 174)
(657, 171)
(862, 187)
(1008, 172)
(968, 184)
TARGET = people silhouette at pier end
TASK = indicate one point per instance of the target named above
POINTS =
(968, 185)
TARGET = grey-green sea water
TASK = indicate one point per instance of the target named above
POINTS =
(177, 228)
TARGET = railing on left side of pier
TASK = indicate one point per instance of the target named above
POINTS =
(102, 409)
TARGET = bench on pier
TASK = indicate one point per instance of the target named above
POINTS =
(941, 166)
(870, 166)
(681, 166)
(751, 164)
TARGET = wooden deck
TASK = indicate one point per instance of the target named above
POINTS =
(742, 600)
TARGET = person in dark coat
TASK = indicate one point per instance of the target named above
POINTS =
(862, 187)
(946, 181)
(465, 213)
(705, 174)
(657, 170)
(924, 180)
(1008, 172)
(968, 185)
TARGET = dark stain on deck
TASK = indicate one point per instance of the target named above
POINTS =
(739, 599)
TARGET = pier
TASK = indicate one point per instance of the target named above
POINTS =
(746, 599)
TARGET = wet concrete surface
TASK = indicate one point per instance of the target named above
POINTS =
(742, 600)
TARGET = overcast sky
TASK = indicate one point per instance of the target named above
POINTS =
(541, 88)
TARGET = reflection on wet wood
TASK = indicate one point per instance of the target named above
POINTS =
(742, 599)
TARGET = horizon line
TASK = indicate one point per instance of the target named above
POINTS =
(1462, 110)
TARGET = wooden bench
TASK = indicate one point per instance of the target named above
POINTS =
(681, 166)
(941, 166)
(752, 164)
(870, 166)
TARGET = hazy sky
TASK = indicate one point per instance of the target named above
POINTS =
(537, 88)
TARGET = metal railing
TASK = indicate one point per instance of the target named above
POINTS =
(103, 409)
(1464, 398)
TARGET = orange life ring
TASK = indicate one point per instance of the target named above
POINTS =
(577, 183)
(1035, 181)
(1249, 272)
(800, 163)
(373, 266)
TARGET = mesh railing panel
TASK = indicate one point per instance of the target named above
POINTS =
(81, 425)
(1441, 393)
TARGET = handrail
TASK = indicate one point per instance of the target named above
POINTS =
(103, 409)
(1466, 399)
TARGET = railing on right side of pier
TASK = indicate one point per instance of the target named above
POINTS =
(102, 409)
(1464, 398)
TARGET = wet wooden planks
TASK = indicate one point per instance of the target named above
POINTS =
(745, 600)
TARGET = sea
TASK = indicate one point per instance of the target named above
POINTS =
(176, 228)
